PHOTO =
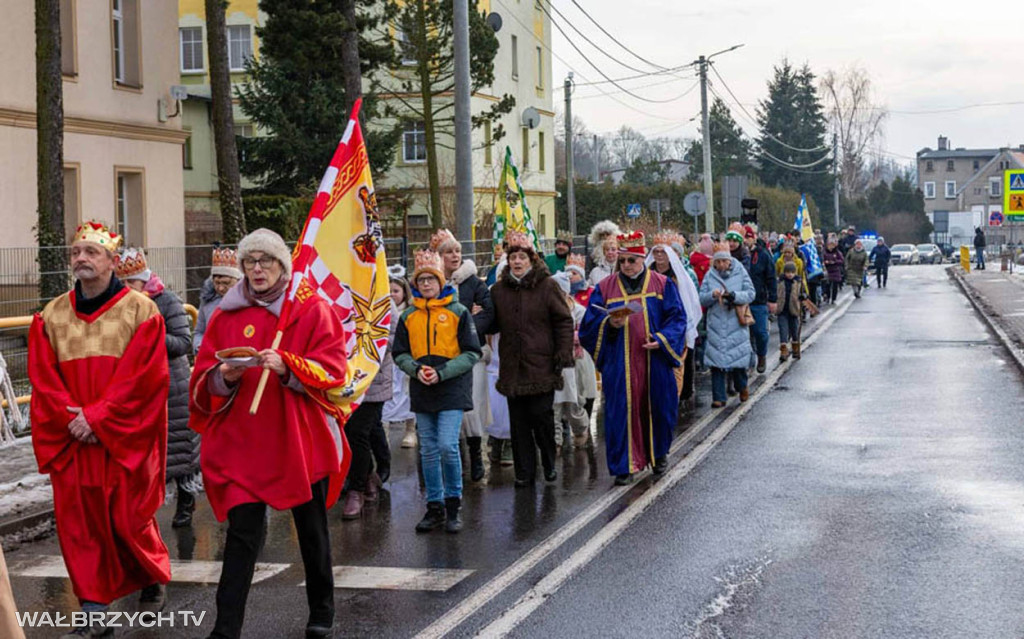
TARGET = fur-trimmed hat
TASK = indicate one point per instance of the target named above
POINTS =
(130, 264)
(427, 262)
(577, 263)
(396, 271)
(598, 234)
(225, 263)
(269, 243)
(722, 252)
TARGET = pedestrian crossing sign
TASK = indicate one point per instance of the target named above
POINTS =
(1013, 195)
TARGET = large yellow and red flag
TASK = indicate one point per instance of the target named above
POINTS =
(340, 257)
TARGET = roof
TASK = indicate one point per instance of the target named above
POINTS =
(929, 154)
(1016, 157)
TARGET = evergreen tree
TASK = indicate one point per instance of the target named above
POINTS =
(730, 149)
(792, 131)
(645, 172)
(296, 91)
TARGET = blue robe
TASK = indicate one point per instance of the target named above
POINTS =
(640, 392)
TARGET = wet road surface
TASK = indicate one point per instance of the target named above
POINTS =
(851, 501)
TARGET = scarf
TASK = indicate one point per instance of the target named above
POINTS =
(154, 286)
(519, 280)
(633, 284)
(267, 297)
(576, 287)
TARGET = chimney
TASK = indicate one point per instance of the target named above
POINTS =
(943, 143)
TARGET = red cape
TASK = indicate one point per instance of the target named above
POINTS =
(700, 263)
(275, 455)
(113, 365)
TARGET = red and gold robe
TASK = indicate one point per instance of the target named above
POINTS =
(113, 365)
(273, 456)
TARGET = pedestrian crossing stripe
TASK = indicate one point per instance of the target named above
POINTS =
(208, 573)
(1017, 182)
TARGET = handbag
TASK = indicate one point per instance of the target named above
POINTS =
(811, 309)
(744, 315)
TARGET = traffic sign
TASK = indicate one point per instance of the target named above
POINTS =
(695, 203)
(633, 210)
(1013, 195)
(995, 218)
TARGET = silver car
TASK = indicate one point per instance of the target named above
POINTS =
(929, 254)
(905, 254)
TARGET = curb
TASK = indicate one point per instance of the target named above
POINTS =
(972, 296)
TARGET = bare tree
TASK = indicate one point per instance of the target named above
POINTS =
(53, 264)
(229, 181)
(628, 145)
(857, 121)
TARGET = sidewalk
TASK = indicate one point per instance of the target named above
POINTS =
(26, 499)
(999, 297)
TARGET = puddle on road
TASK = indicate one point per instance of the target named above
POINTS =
(734, 589)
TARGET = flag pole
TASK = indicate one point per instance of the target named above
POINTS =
(255, 406)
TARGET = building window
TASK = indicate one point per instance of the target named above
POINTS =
(186, 153)
(68, 39)
(129, 208)
(929, 166)
(995, 186)
(526, 147)
(488, 143)
(929, 190)
(540, 69)
(243, 130)
(191, 40)
(405, 48)
(414, 143)
(126, 43)
(540, 151)
(975, 165)
(950, 189)
(239, 46)
(72, 200)
(515, 58)
(950, 166)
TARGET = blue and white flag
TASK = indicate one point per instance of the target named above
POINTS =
(812, 261)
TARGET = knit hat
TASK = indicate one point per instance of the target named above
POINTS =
(749, 231)
(734, 236)
(722, 252)
(269, 243)
(225, 263)
(130, 264)
(427, 262)
(576, 263)
(633, 243)
(790, 267)
(706, 245)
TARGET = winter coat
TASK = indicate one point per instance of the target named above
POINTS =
(208, 303)
(880, 256)
(727, 342)
(856, 263)
(979, 239)
(833, 260)
(801, 274)
(182, 442)
(536, 332)
(742, 253)
(472, 291)
(382, 387)
(846, 243)
(438, 333)
(762, 274)
(789, 289)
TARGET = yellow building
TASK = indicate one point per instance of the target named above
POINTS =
(122, 143)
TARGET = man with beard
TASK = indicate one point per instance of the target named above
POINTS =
(563, 245)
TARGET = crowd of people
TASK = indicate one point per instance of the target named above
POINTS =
(517, 357)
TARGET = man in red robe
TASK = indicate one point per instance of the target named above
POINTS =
(289, 454)
(99, 427)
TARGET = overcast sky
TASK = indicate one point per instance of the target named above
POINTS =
(921, 56)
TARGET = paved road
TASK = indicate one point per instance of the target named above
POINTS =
(819, 515)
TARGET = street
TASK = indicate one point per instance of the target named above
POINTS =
(872, 489)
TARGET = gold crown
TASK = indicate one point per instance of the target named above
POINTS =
(225, 257)
(564, 236)
(667, 238)
(98, 233)
(439, 238)
(631, 240)
(517, 238)
(131, 261)
(722, 247)
(575, 259)
(426, 259)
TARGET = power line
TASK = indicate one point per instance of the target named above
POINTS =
(615, 40)
(540, 3)
(678, 97)
(639, 75)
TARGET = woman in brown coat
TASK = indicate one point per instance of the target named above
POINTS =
(536, 344)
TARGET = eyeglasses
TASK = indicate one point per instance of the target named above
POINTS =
(265, 262)
(628, 260)
(423, 281)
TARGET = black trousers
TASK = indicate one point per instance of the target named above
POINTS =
(832, 290)
(882, 275)
(246, 534)
(689, 370)
(361, 424)
(532, 420)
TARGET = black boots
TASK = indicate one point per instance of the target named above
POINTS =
(452, 506)
(434, 518)
(476, 459)
(184, 507)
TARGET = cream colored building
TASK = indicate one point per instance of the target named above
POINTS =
(522, 68)
(122, 153)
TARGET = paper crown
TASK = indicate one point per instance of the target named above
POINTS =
(632, 243)
(225, 263)
(130, 262)
(441, 237)
(722, 247)
(564, 236)
(577, 260)
(98, 233)
(427, 261)
(668, 238)
(736, 226)
(517, 239)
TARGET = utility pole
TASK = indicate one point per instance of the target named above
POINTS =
(709, 191)
(835, 174)
(463, 124)
(570, 193)
(597, 160)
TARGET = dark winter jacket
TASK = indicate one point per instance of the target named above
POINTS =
(208, 303)
(846, 243)
(438, 333)
(536, 329)
(880, 256)
(742, 253)
(182, 441)
(762, 274)
(472, 291)
(979, 239)
(833, 260)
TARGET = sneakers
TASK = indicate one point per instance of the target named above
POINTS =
(453, 522)
(434, 518)
(153, 598)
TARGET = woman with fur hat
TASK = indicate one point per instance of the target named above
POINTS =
(726, 286)
(437, 346)
(536, 330)
(603, 250)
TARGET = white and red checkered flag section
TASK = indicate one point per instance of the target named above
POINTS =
(340, 257)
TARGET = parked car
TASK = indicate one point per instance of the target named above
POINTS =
(905, 254)
(929, 254)
(949, 251)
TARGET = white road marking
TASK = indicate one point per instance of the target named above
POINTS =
(378, 578)
(198, 572)
(470, 605)
(550, 584)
